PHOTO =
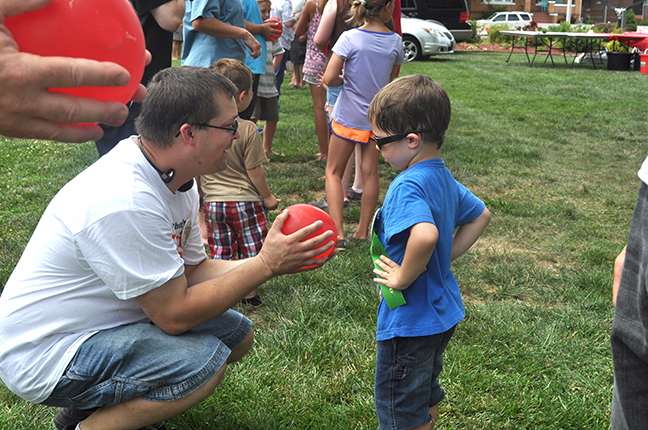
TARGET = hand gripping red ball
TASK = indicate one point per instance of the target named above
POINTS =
(102, 30)
(279, 26)
(302, 215)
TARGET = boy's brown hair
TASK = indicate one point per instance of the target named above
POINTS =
(236, 71)
(414, 102)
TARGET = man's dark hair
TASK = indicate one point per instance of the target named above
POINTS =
(181, 95)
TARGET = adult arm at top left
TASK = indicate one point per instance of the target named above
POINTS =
(29, 110)
(169, 15)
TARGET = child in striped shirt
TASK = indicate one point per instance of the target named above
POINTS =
(266, 108)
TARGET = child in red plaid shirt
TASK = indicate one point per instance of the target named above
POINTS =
(237, 200)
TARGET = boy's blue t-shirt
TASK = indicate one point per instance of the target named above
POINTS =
(253, 15)
(425, 192)
(201, 49)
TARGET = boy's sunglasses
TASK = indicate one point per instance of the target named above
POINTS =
(382, 141)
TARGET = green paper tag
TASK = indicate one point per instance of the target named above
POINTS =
(393, 298)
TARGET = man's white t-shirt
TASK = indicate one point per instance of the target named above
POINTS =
(111, 234)
(643, 172)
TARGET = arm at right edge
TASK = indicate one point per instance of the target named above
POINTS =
(468, 234)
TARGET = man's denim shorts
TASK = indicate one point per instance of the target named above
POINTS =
(407, 385)
(140, 360)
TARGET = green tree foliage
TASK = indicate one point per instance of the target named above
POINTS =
(631, 21)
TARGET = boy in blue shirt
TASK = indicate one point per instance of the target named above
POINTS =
(423, 207)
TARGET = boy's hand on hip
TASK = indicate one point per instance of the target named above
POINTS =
(391, 274)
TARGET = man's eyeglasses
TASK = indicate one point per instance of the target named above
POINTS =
(233, 129)
(382, 141)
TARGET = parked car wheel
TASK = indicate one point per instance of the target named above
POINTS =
(411, 48)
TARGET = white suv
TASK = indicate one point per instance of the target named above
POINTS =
(512, 20)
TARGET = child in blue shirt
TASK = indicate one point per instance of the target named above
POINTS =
(416, 226)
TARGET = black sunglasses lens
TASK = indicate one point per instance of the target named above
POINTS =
(382, 141)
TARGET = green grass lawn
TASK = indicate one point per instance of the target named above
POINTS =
(554, 154)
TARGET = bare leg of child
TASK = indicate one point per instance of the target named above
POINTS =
(268, 135)
(346, 178)
(434, 411)
(370, 156)
(177, 49)
(294, 81)
(339, 155)
(357, 179)
(318, 93)
(299, 72)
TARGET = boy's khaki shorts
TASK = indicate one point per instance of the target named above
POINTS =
(266, 109)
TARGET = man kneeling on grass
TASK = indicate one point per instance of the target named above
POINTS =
(113, 312)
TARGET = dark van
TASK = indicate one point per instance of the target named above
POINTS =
(451, 13)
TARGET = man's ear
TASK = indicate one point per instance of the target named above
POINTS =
(187, 132)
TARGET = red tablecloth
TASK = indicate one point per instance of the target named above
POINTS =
(633, 39)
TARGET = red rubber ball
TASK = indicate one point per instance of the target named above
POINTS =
(102, 30)
(279, 26)
(302, 215)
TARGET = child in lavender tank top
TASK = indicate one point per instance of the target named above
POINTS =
(370, 56)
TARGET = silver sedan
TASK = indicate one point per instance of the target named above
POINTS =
(424, 38)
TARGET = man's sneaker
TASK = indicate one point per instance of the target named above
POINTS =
(341, 245)
(353, 195)
(67, 419)
(323, 204)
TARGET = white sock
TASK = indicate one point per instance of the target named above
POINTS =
(356, 189)
(78, 427)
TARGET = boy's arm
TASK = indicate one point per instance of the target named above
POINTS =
(267, 30)
(259, 181)
(217, 28)
(420, 246)
(276, 61)
(468, 234)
